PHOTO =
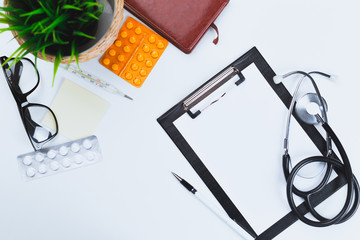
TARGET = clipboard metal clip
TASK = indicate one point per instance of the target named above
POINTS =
(210, 87)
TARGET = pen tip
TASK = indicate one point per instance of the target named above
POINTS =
(128, 97)
(177, 176)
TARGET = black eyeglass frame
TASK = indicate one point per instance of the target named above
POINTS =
(23, 104)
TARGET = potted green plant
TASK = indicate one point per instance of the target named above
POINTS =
(51, 29)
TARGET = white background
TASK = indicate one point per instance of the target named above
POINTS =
(131, 194)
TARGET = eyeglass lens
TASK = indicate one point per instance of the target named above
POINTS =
(23, 75)
(40, 123)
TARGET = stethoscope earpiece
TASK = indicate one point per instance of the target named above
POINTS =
(278, 79)
(333, 77)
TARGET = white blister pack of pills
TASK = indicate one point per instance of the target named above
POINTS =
(60, 158)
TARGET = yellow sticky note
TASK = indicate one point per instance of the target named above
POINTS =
(77, 110)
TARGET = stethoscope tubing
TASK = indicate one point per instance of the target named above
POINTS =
(286, 157)
(343, 168)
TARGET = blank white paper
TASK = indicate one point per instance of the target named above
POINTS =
(235, 137)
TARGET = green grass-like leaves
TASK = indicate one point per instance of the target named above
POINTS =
(57, 27)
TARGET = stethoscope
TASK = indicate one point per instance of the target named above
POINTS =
(331, 163)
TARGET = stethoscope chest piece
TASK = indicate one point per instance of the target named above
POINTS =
(308, 106)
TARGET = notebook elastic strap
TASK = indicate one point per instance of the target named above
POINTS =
(216, 40)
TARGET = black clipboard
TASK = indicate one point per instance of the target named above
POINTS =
(253, 56)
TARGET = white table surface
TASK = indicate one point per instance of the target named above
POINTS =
(131, 194)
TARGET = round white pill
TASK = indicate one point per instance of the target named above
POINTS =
(39, 157)
(66, 162)
(51, 154)
(79, 158)
(30, 172)
(27, 160)
(87, 144)
(54, 166)
(42, 168)
(90, 156)
(63, 150)
(75, 147)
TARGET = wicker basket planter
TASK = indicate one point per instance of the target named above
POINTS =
(107, 31)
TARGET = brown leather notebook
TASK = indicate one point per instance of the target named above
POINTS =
(182, 22)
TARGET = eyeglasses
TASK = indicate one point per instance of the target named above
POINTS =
(23, 78)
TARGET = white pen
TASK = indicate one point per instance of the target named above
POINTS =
(224, 218)
(96, 81)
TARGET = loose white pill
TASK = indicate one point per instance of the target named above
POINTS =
(79, 158)
(87, 144)
(27, 160)
(54, 166)
(42, 168)
(66, 162)
(75, 147)
(51, 154)
(63, 150)
(39, 157)
(90, 156)
(30, 172)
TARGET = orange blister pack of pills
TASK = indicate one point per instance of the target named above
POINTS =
(134, 53)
